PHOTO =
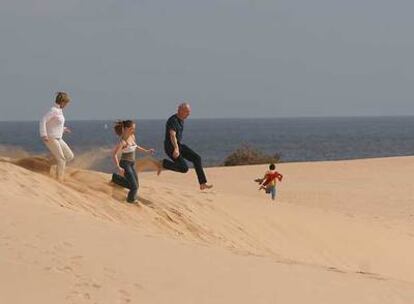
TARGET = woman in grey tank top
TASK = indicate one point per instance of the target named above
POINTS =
(127, 146)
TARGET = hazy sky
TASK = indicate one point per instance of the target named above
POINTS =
(229, 58)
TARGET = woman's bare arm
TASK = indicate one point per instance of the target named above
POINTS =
(115, 153)
(142, 149)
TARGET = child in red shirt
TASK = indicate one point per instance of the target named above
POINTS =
(268, 182)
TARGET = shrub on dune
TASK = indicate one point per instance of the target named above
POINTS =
(247, 155)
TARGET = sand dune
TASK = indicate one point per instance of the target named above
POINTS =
(340, 232)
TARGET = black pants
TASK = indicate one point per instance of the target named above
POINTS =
(179, 164)
(129, 181)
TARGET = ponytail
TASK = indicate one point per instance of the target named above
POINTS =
(120, 125)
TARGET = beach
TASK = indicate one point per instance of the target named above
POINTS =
(338, 232)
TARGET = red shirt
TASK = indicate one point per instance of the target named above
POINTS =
(272, 176)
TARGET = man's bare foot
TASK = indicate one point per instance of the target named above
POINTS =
(205, 186)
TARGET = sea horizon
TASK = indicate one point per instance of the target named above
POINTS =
(293, 139)
(223, 118)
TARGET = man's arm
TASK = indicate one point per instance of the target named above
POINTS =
(173, 138)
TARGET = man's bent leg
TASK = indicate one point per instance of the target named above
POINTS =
(178, 165)
(192, 156)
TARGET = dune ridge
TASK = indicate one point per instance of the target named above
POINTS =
(310, 232)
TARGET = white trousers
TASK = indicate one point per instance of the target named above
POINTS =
(62, 153)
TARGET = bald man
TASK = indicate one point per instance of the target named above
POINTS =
(177, 151)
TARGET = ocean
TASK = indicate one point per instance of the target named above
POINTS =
(294, 139)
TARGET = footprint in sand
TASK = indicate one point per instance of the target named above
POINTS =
(96, 286)
(76, 296)
(371, 275)
(76, 260)
(334, 269)
(62, 246)
(125, 296)
(76, 257)
(138, 286)
(67, 269)
(110, 273)
(210, 193)
(146, 202)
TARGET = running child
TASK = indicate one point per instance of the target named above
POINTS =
(268, 183)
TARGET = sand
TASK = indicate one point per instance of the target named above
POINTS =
(339, 232)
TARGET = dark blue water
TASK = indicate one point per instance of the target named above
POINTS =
(295, 139)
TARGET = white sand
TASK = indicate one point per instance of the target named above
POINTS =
(339, 232)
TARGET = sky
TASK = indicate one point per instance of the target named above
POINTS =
(230, 58)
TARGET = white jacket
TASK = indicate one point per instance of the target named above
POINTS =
(53, 123)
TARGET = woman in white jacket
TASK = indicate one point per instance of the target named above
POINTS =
(52, 127)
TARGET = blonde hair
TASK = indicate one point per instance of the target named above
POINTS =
(62, 98)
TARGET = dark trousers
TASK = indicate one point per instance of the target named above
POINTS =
(129, 181)
(179, 164)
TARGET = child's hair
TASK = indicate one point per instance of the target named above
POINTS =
(120, 125)
(62, 98)
(272, 167)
